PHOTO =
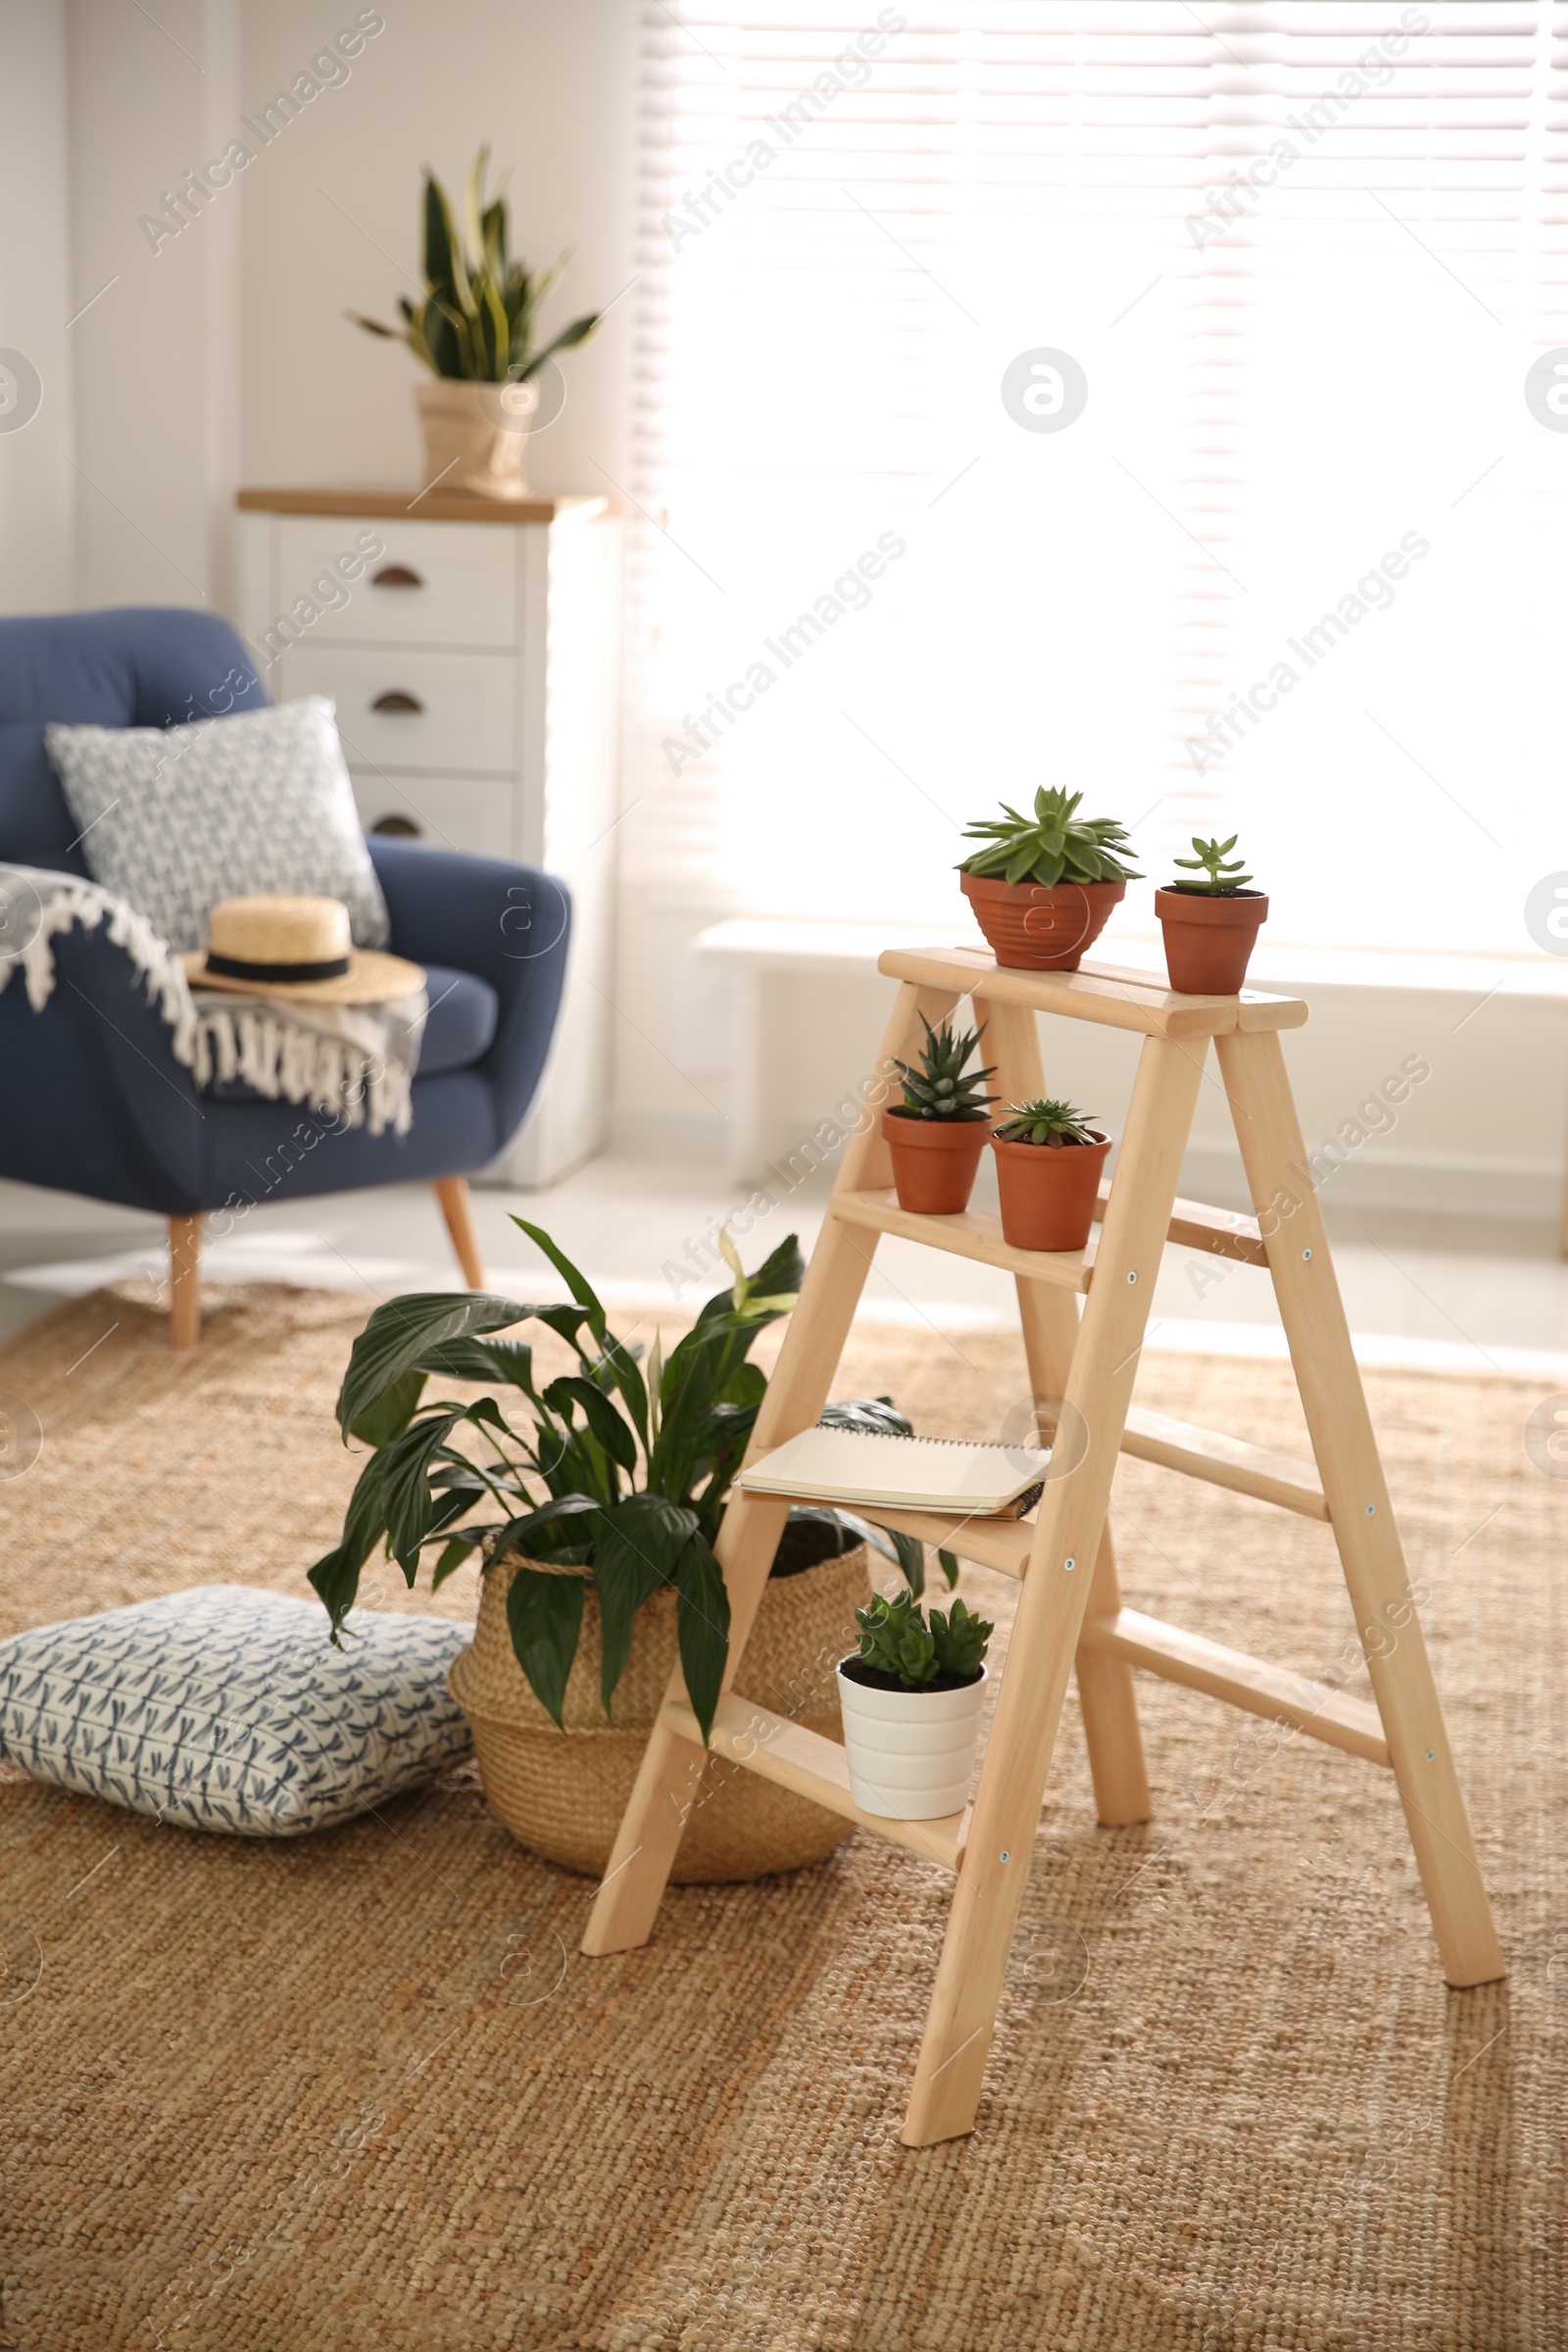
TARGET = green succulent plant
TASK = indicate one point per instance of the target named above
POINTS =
(1047, 1119)
(1218, 878)
(897, 1639)
(1053, 846)
(477, 319)
(620, 1468)
(941, 1088)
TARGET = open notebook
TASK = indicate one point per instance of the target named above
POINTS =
(917, 1474)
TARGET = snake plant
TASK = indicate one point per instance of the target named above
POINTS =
(477, 322)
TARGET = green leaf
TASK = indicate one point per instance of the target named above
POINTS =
(406, 1494)
(635, 1553)
(577, 1283)
(511, 1360)
(443, 255)
(949, 1568)
(702, 1628)
(577, 332)
(391, 1412)
(612, 1431)
(518, 1533)
(452, 1558)
(544, 1615)
(336, 1576)
(400, 1333)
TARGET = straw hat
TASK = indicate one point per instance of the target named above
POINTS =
(299, 949)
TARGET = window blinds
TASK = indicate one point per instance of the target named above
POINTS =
(1291, 569)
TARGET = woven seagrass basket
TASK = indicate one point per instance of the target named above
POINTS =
(561, 1793)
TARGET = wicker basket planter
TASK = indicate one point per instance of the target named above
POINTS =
(561, 1793)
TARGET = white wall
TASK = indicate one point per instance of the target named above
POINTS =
(35, 287)
(332, 220)
(155, 357)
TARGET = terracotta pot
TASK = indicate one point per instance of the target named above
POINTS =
(1034, 929)
(1210, 941)
(935, 1161)
(477, 435)
(1048, 1191)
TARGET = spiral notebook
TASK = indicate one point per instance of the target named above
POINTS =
(917, 1473)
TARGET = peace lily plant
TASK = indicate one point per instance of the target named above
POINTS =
(620, 1468)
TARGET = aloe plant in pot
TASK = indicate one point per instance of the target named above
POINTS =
(911, 1696)
(938, 1132)
(1210, 923)
(476, 332)
(1043, 886)
(593, 1500)
(1049, 1160)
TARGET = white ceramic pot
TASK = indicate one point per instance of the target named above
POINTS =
(477, 435)
(911, 1752)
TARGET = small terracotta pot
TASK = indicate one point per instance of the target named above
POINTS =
(1210, 941)
(1034, 929)
(935, 1161)
(1048, 1191)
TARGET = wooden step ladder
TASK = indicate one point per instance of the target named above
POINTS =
(1069, 1612)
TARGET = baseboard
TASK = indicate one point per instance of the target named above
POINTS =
(1447, 1181)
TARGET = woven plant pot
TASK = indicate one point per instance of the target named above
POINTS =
(561, 1793)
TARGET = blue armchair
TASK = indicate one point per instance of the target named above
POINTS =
(98, 1103)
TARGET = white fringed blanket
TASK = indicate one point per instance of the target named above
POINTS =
(355, 1060)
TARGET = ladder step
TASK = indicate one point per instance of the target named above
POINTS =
(1241, 1681)
(1217, 1232)
(793, 1757)
(1003, 1544)
(1225, 1462)
(975, 1233)
(1108, 995)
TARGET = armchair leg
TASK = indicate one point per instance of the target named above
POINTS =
(453, 1193)
(184, 1281)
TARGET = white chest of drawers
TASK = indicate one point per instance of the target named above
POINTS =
(473, 653)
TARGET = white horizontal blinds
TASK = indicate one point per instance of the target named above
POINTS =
(1360, 335)
(911, 605)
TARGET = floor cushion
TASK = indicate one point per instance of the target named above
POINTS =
(227, 1708)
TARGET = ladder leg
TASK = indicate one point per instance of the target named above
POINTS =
(638, 1870)
(1050, 1317)
(1051, 1608)
(1330, 1382)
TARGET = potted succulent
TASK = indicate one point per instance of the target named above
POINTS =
(911, 1696)
(1043, 886)
(1210, 923)
(598, 1497)
(474, 331)
(1049, 1160)
(938, 1132)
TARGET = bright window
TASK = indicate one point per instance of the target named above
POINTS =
(1295, 569)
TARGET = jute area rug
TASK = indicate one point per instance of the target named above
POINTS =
(361, 2090)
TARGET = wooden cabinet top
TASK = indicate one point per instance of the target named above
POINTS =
(428, 505)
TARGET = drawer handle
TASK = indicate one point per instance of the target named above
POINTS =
(396, 703)
(396, 575)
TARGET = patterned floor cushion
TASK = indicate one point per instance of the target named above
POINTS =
(227, 1708)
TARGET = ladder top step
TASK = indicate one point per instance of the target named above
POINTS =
(1114, 996)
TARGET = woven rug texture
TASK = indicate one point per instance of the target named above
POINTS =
(361, 2090)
